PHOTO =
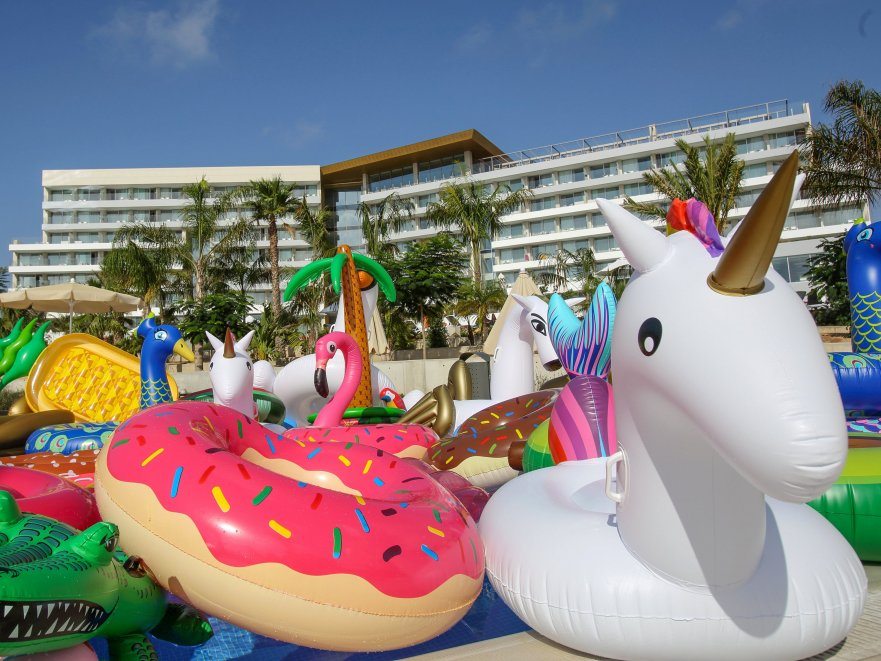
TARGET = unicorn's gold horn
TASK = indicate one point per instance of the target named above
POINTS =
(229, 345)
(742, 267)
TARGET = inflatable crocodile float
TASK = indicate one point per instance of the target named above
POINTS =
(60, 587)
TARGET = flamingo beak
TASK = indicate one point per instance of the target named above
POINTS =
(321, 382)
(182, 349)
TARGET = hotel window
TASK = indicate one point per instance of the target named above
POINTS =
(543, 203)
(755, 170)
(31, 259)
(87, 237)
(60, 217)
(85, 258)
(305, 189)
(425, 223)
(441, 168)
(607, 193)
(88, 217)
(543, 251)
(573, 223)
(841, 216)
(570, 176)
(118, 194)
(55, 239)
(408, 226)
(670, 158)
(746, 199)
(82, 278)
(636, 164)
(597, 220)
(141, 216)
(168, 216)
(89, 194)
(788, 139)
(57, 258)
(802, 220)
(425, 200)
(793, 268)
(510, 278)
(508, 255)
(541, 180)
(604, 244)
(639, 188)
(546, 226)
(26, 281)
(170, 193)
(108, 237)
(750, 145)
(513, 184)
(303, 255)
(511, 231)
(603, 170)
(117, 217)
(61, 194)
(285, 254)
(575, 246)
(391, 179)
(142, 193)
(569, 200)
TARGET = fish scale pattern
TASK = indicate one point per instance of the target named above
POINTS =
(866, 322)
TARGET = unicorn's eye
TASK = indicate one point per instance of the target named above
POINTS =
(539, 326)
(649, 336)
(865, 234)
(161, 335)
(210, 366)
(249, 366)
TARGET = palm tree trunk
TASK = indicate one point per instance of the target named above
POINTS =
(475, 262)
(273, 276)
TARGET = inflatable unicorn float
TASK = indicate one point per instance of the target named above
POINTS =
(692, 541)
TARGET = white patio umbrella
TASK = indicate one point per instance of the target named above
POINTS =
(524, 285)
(70, 297)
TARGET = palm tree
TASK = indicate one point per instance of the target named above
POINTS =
(312, 226)
(711, 173)
(844, 160)
(134, 269)
(381, 219)
(270, 200)
(480, 299)
(200, 257)
(565, 266)
(475, 210)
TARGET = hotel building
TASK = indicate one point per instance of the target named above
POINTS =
(82, 209)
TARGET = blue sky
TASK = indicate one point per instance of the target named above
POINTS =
(91, 84)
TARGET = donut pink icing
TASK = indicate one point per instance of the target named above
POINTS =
(399, 530)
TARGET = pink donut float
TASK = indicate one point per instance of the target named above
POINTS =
(335, 545)
(49, 495)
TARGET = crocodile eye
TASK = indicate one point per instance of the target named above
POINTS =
(110, 543)
(134, 566)
(649, 336)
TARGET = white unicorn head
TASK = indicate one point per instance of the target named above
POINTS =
(232, 373)
(723, 392)
(535, 330)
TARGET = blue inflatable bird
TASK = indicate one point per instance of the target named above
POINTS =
(863, 247)
(160, 341)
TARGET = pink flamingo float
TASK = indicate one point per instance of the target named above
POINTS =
(402, 440)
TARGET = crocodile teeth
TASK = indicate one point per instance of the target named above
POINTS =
(6, 610)
(49, 609)
(14, 633)
(25, 610)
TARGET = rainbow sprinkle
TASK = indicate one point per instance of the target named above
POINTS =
(313, 453)
(221, 500)
(367, 466)
(280, 529)
(427, 551)
(344, 461)
(152, 457)
(435, 531)
(260, 497)
(337, 543)
(175, 483)
(363, 521)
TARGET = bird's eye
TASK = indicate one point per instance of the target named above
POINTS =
(331, 347)
(865, 234)
(539, 326)
(110, 543)
(161, 335)
(649, 336)
(249, 366)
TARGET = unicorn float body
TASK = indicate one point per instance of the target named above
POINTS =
(692, 541)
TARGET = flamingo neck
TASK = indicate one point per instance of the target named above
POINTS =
(331, 415)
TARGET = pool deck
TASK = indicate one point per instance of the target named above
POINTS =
(863, 643)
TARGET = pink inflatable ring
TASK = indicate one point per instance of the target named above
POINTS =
(230, 517)
(49, 495)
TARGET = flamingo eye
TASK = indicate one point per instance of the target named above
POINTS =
(331, 347)
(865, 234)
(538, 325)
(649, 336)
(161, 335)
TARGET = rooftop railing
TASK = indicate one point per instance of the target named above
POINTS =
(652, 133)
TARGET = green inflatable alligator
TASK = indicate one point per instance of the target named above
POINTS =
(60, 587)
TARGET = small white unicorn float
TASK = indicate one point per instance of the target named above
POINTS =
(728, 420)
(232, 373)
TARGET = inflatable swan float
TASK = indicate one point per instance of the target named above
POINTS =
(728, 421)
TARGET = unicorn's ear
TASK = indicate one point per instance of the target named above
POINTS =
(643, 246)
(524, 301)
(216, 344)
(243, 344)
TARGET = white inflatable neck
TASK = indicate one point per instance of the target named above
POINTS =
(705, 530)
(513, 371)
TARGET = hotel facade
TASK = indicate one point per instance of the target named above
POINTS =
(83, 209)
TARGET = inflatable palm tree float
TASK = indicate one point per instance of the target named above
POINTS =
(352, 273)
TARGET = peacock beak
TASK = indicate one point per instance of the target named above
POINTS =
(183, 350)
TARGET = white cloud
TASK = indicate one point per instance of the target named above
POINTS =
(729, 20)
(553, 22)
(178, 37)
(476, 37)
